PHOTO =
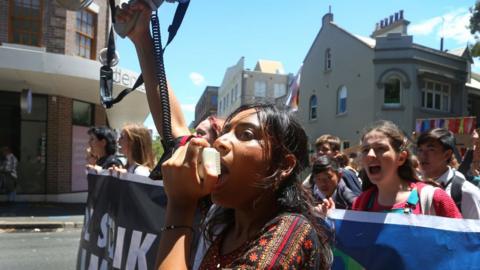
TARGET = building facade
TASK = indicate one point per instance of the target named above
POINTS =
(48, 59)
(349, 81)
(267, 83)
(206, 105)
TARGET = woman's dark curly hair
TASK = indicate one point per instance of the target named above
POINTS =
(107, 134)
(283, 136)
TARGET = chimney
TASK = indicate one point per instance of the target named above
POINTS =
(327, 18)
(394, 23)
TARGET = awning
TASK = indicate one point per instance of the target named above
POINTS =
(69, 76)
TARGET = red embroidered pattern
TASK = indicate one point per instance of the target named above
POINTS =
(287, 242)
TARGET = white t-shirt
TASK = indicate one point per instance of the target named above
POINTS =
(138, 170)
(470, 194)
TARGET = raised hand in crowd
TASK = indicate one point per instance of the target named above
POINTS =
(322, 209)
(142, 39)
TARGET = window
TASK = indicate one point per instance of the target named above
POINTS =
(213, 100)
(26, 22)
(328, 59)
(260, 89)
(220, 107)
(238, 90)
(82, 113)
(85, 36)
(436, 96)
(279, 89)
(342, 100)
(392, 91)
(313, 107)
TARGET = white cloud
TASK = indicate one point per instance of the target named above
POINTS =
(188, 107)
(197, 78)
(456, 26)
(451, 25)
(425, 28)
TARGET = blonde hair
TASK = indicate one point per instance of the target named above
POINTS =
(140, 141)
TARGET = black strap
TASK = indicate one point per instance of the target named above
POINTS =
(111, 38)
(108, 103)
(108, 100)
(456, 191)
(177, 20)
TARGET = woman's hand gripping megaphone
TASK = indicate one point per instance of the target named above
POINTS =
(133, 19)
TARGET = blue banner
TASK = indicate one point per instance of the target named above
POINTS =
(367, 240)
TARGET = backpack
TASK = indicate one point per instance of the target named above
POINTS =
(426, 200)
(456, 191)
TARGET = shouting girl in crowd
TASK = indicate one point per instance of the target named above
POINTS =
(390, 181)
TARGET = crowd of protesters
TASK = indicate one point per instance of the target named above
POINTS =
(259, 213)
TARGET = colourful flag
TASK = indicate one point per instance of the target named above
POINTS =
(426, 125)
(454, 125)
(469, 125)
(418, 126)
(293, 98)
(432, 124)
(461, 126)
(441, 123)
(447, 124)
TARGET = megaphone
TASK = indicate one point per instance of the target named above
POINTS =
(123, 28)
(74, 5)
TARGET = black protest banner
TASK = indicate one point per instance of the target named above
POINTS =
(122, 223)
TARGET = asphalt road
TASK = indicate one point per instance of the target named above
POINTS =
(39, 250)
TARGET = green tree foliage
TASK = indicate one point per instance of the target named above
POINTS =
(475, 28)
(157, 147)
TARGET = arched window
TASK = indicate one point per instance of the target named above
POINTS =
(392, 91)
(313, 107)
(328, 59)
(342, 100)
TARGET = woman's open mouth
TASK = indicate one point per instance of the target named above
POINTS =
(374, 169)
(222, 177)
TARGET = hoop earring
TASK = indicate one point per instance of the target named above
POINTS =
(255, 202)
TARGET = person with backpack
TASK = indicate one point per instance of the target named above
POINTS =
(327, 176)
(329, 145)
(434, 151)
(389, 179)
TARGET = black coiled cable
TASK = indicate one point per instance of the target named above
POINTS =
(162, 82)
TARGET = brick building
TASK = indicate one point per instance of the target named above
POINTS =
(48, 59)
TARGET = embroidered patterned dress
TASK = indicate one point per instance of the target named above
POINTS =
(287, 242)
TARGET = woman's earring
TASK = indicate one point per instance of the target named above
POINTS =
(255, 202)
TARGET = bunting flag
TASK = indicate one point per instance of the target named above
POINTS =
(441, 123)
(437, 123)
(469, 125)
(366, 240)
(418, 126)
(293, 98)
(459, 125)
(447, 124)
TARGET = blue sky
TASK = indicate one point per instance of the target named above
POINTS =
(216, 33)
